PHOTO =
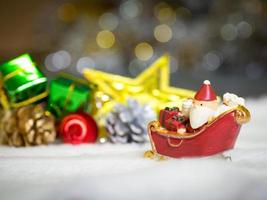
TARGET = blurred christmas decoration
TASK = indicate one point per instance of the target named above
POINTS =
(27, 126)
(4, 103)
(23, 82)
(68, 94)
(22, 122)
(151, 87)
(204, 39)
(77, 128)
(127, 123)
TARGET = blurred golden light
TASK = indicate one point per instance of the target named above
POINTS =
(163, 33)
(105, 39)
(67, 12)
(118, 86)
(143, 51)
(105, 97)
(164, 13)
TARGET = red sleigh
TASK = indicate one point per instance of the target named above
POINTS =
(215, 137)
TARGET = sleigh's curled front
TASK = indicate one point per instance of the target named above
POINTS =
(215, 137)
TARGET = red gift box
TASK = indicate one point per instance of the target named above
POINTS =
(167, 114)
(174, 125)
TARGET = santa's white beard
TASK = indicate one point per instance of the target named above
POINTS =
(199, 115)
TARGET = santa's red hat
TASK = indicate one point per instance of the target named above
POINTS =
(205, 92)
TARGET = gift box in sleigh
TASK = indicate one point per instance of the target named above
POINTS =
(213, 138)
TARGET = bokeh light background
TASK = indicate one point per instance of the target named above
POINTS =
(224, 41)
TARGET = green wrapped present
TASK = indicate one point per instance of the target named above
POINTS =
(67, 95)
(22, 81)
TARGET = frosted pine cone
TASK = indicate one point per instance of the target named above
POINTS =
(128, 123)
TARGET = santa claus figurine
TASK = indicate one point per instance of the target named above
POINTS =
(204, 106)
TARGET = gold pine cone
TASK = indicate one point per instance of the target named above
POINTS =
(27, 126)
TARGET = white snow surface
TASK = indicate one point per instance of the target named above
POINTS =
(88, 172)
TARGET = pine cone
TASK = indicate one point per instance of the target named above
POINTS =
(128, 123)
(27, 126)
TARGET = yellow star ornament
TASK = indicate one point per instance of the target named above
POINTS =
(150, 87)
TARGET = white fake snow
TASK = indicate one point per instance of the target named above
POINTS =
(108, 171)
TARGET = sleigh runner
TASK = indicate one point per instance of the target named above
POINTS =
(214, 137)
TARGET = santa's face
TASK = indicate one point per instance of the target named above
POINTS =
(210, 104)
(199, 115)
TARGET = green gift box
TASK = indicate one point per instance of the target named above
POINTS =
(67, 95)
(22, 81)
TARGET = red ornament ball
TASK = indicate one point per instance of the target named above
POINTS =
(78, 128)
